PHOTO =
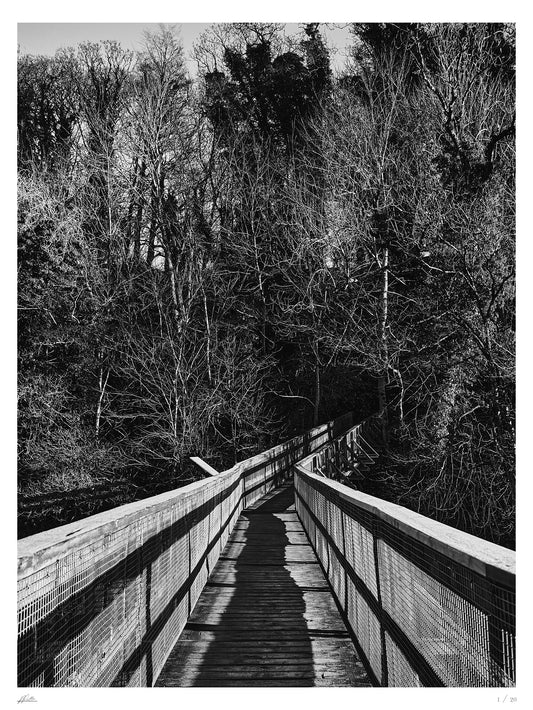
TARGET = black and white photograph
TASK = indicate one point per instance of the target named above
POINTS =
(265, 297)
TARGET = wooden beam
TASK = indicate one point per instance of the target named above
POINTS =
(204, 466)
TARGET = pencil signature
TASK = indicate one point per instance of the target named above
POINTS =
(27, 699)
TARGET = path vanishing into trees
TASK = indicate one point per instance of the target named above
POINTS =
(272, 573)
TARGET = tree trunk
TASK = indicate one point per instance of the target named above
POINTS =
(151, 232)
(102, 384)
(138, 216)
(382, 395)
(316, 409)
(382, 382)
(208, 340)
(131, 206)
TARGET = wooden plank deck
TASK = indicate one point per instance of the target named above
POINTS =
(266, 616)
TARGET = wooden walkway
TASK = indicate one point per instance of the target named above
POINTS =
(266, 616)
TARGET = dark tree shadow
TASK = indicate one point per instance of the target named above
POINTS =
(261, 637)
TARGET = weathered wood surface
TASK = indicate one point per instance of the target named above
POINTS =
(266, 616)
(486, 558)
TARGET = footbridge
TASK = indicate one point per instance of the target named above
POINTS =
(277, 572)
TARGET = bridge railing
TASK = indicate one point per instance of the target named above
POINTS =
(348, 457)
(102, 601)
(427, 605)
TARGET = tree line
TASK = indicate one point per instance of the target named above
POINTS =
(209, 266)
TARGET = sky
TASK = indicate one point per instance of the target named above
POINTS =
(47, 38)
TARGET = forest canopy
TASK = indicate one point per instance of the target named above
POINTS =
(209, 266)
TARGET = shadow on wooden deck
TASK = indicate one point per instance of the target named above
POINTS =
(266, 616)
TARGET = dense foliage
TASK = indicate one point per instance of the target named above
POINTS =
(207, 267)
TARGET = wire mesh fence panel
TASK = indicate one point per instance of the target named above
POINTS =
(102, 601)
(361, 617)
(350, 453)
(427, 604)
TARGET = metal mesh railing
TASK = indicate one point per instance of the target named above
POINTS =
(350, 455)
(102, 601)
(427, 604)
